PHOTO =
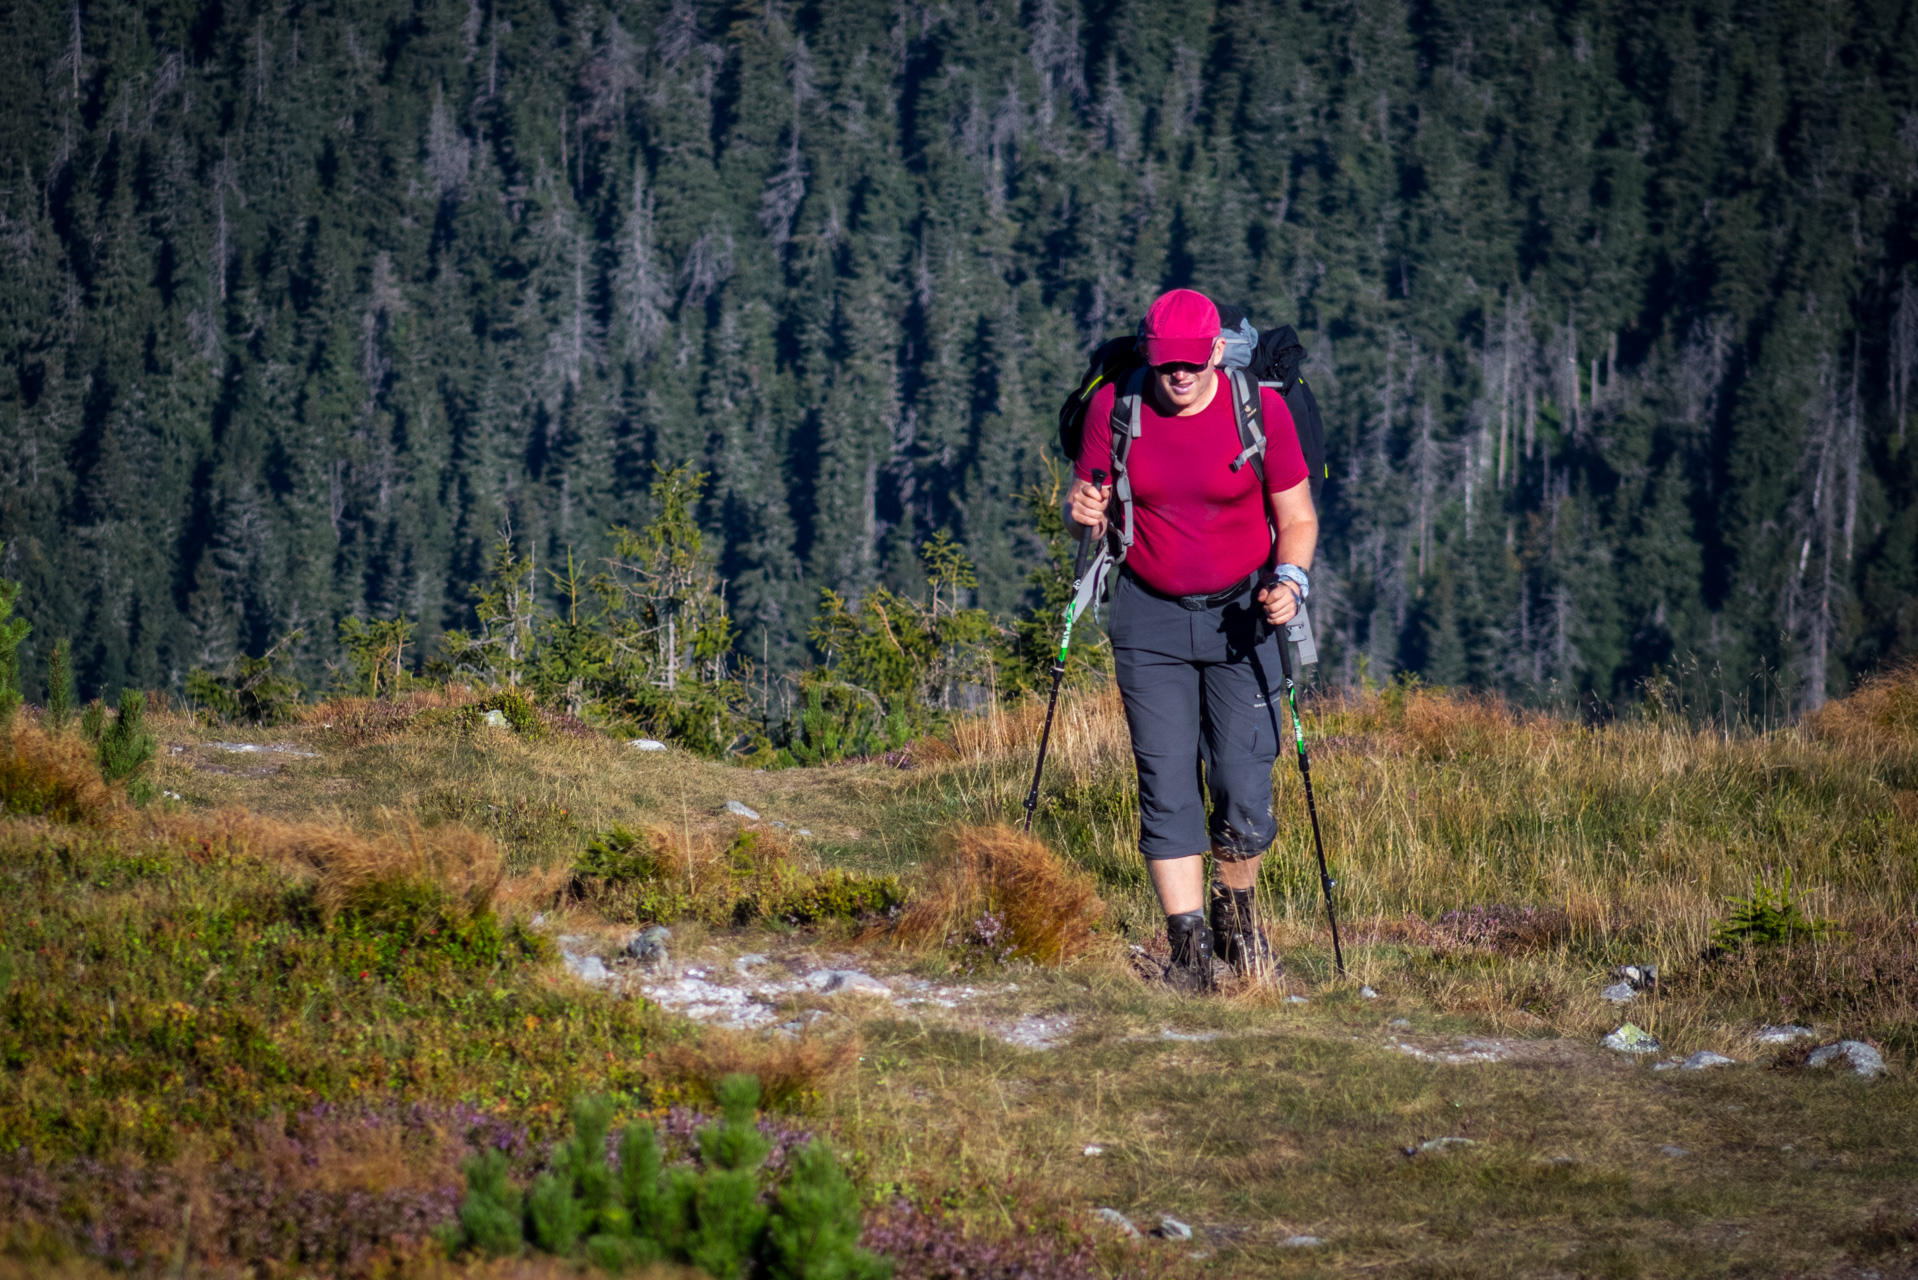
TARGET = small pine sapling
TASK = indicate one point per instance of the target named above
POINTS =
(93, 720)
(729, 1220)
(489, 1217)
(125, 745)
(12, 631)
(59, 685)
(656, 1215)
(555, 1214)
(814, 1235)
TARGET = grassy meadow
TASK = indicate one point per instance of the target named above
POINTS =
(257, 1023)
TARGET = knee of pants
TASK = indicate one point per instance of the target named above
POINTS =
(1242, 821)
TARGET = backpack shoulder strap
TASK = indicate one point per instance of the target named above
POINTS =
(1128, 417)
(1249, 414)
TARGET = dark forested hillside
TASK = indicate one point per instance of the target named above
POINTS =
(1611, 306)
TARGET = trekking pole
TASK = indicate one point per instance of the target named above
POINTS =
(1299, 626)
(1074, 607)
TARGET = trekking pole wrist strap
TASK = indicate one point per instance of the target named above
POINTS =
(1297, 577)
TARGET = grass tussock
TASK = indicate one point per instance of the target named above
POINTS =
(54, 776)
(1881, 714)
(792, 1071)
(994, 882)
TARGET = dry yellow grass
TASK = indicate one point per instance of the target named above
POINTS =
(347, 867)
(792, 1071)
(1047, 907)
(54, 775)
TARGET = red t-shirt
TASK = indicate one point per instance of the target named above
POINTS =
(1197, 525)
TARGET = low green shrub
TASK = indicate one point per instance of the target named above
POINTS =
(258, 690)
(718, 1217)
(652, 876)
(1769, 917)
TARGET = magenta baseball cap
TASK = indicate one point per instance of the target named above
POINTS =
(1179, 328)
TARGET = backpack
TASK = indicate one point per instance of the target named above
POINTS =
(1252, 360)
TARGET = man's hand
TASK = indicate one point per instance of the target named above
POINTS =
(1281, 602)
(1086, 503)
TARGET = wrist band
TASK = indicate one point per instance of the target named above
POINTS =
(1296, 576)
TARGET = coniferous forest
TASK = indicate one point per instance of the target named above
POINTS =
(1612, 310)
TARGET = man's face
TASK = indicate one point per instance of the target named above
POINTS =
(1182, 386)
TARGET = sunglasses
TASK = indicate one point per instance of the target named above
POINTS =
(1177, 368)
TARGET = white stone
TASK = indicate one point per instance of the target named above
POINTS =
(837, 981)
(1619, 993)
(1113, 1218)
(647, 744)
(1095, 1149)
(1036, 1032)
(1440, 1144)
(1674, 1152)
(745, 964)
(1300, 1242)
(496, 719)
(254, 748)
(1297, 1000)
(587, 968)
(1783, 1035)
(1856, 1054)
(804, 832)
(1470, 1051)
(1631, 1039)
(1366, 993)
(1169, 1034)
(1172, 1229)
(649, 945)
(1706, 1058)
(734, 807)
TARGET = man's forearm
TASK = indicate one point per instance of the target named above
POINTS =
(1297, 542)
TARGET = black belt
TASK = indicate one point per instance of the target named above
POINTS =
(1194, 603)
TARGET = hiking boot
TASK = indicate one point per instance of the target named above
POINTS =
(1191, 968)
(1236, 933)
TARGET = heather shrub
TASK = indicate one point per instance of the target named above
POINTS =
(717, 1217)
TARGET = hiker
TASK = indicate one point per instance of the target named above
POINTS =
(1194, 615)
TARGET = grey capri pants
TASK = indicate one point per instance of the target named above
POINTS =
(1196, 679)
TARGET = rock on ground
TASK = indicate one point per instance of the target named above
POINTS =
(1706, 1058)
(1783, 1035)
(1856, 1054)
(1631, 1039)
